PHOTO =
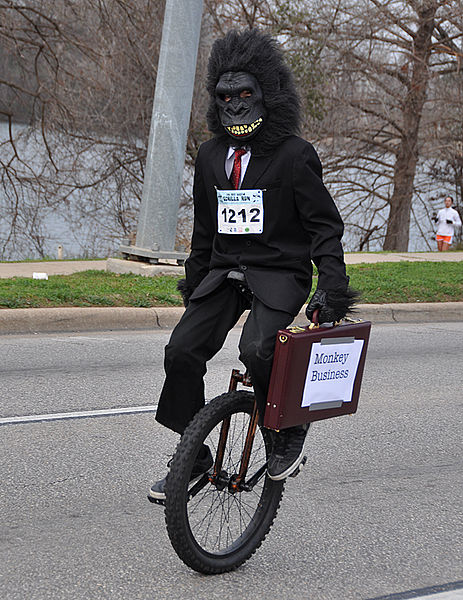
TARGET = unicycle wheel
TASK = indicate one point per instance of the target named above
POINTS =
(215, 525)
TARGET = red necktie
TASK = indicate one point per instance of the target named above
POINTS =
(236, 171)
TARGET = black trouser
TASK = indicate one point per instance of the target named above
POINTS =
(200, 334)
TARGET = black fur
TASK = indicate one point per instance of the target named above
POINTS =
(257, 53)
(185, 290)
(343, 302)
(332, 304)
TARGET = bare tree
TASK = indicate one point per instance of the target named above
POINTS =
(89, 71)
(382, 57)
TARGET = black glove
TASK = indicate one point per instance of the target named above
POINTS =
(434, 217)
(332, 304)
(185, 290)
(449, 221)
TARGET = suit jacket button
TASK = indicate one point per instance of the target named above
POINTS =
(248, 243)
(243, 267)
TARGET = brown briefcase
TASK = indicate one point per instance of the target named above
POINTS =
(316, 374)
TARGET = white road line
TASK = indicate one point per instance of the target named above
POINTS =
(451, 595)
(430, 593)
(105, 412)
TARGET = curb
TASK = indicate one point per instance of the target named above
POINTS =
(55, 320)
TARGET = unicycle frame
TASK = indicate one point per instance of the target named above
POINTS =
(238, 481)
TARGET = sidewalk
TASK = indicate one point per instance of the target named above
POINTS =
(59, 267)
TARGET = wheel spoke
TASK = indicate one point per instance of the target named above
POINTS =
(218, 517)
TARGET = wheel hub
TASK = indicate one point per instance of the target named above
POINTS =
(221, 481)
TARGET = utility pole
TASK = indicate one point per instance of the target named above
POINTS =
(165, 158)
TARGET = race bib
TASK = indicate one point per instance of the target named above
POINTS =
(240, 211)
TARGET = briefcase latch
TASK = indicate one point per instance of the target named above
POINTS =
(296, 329)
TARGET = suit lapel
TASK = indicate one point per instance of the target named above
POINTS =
(218, 167)
(256, 168)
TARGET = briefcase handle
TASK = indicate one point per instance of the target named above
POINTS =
(315, 317)
(315, 324)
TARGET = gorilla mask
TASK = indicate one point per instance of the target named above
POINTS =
(251, 61)
(240, 105)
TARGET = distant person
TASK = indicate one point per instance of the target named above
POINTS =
(447, 219)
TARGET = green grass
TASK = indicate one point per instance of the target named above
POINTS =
(89, 288)
(408, 281)
(379, 283)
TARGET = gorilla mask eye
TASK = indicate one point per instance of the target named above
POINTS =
(245, 94)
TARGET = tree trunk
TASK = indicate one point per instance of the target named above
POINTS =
(398, 225)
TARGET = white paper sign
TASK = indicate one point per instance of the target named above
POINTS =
(240, 211)
(331, 373)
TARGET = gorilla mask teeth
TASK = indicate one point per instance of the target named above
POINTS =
(241, 130)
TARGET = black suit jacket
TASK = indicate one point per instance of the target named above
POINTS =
(301, 223)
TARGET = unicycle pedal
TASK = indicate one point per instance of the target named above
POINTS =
(156, 501)
(299, 468)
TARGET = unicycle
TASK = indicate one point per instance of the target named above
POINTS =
(217, 523)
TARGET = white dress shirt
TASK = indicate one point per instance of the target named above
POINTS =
(245, 158)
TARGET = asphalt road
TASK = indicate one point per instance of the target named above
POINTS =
(378, 509)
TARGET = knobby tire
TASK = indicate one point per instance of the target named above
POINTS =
(217, 531)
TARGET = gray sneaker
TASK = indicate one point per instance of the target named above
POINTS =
(287, 452)
(157, 491)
